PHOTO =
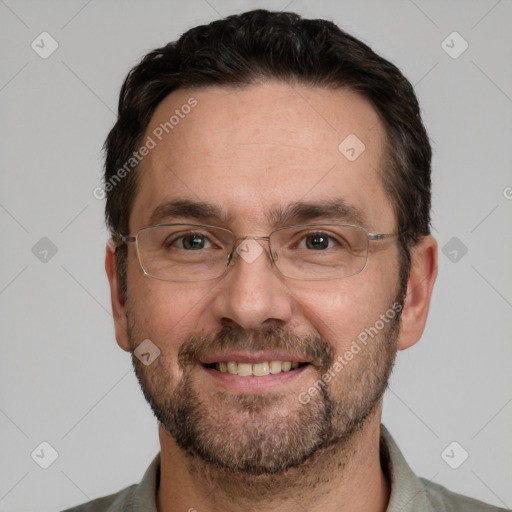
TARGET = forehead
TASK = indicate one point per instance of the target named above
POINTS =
(257, 150)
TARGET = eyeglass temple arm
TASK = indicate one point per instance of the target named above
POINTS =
(121, 239)
(381, 236)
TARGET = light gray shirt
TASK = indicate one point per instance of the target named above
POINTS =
(409, 493)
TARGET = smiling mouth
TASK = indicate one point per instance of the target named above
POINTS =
(255, 369)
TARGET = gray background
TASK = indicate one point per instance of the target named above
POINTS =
(63, 378)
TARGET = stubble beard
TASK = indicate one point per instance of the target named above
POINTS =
(270, 433)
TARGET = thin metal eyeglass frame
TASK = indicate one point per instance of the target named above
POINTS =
(369, 236)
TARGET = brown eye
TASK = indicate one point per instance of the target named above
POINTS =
(193, 242)
(188, 241)
(317, 241)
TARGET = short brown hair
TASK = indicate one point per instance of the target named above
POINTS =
(255, 45)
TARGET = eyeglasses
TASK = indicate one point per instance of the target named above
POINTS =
(196, 252)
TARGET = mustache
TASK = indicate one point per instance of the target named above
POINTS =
(313, 348)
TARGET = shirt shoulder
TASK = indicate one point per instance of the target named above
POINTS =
(111, 503)
(441, 498)
(410, 493)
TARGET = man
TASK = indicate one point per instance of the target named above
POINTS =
(268, 194)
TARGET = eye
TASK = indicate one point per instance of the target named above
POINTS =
(191, 242)
(317, 241)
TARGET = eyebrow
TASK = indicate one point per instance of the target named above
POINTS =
(334, 209)
(187, 209)
(337, 210)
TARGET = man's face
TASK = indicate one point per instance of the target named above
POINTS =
(249, 153)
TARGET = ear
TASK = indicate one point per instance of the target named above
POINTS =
(419, 291)
(116, 295)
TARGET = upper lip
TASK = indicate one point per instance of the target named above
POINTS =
(251, 357)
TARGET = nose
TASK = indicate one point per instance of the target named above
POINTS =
(252, 294)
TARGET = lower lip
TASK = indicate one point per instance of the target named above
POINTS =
(253, 383)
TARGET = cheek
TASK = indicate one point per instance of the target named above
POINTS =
(340, 311)
(164, 312)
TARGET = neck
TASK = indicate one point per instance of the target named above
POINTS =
(339, 478)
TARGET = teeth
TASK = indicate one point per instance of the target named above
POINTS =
(244, 369)
(259, 369)
(275, 367)
(256, 369)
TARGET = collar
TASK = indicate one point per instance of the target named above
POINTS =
(408, 493)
